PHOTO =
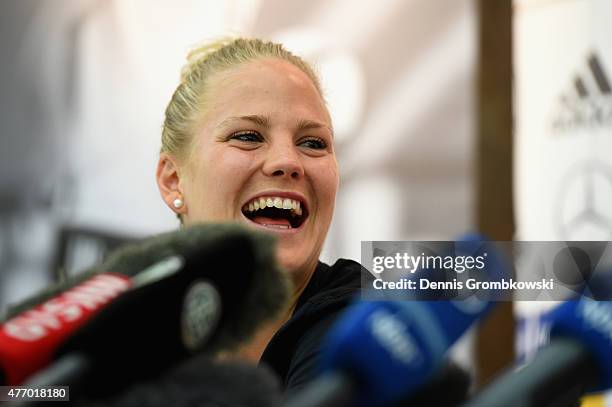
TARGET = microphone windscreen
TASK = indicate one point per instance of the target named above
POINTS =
(202, 382)
(123, 341)
(240, 261)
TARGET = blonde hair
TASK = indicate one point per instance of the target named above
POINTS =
(202, 63)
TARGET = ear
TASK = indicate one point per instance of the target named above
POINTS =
(168, 182)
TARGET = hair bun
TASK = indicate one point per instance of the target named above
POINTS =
(199, 52)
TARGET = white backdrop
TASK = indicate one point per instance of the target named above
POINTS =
(563, 138)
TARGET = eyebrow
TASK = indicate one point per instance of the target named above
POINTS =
(256, 119)
(264, 121)
(310, 124)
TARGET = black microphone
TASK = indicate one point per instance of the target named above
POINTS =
(203, 382)
(578, 359)
(239, 261)
(204, 288)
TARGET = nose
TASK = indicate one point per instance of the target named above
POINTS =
(283, 160)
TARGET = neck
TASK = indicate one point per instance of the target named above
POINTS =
(299, 285)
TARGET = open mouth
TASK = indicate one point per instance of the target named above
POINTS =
(276, 212)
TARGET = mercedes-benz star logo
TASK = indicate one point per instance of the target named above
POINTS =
(584, 209)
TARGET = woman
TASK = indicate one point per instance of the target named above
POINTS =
(247, 137)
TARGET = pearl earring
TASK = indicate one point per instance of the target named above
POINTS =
(177, 203)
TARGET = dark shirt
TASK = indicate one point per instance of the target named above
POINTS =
(293, 351)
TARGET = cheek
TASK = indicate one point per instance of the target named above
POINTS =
(325, 179)
(219, 177)
(329, 178)
(225, 166)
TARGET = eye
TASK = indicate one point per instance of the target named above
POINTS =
(247, 136)
(315, 143)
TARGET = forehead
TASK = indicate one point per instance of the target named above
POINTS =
(264, 87)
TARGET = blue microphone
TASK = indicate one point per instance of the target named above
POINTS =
(381, 351)
(577, 360)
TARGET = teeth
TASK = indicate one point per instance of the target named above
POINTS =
(276, 226)
(274, 202)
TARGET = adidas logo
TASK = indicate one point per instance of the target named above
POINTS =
(587, 105)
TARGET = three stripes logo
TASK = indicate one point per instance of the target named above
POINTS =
(588, 103)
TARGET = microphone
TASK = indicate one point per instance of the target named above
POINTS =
(203, 382)
(381, 351)
(577, 360)
(28, 337)
(179, 283)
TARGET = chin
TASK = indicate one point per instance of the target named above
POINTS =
(288, 261)
(298, 265)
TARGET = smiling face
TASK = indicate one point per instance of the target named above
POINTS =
(263, 156)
